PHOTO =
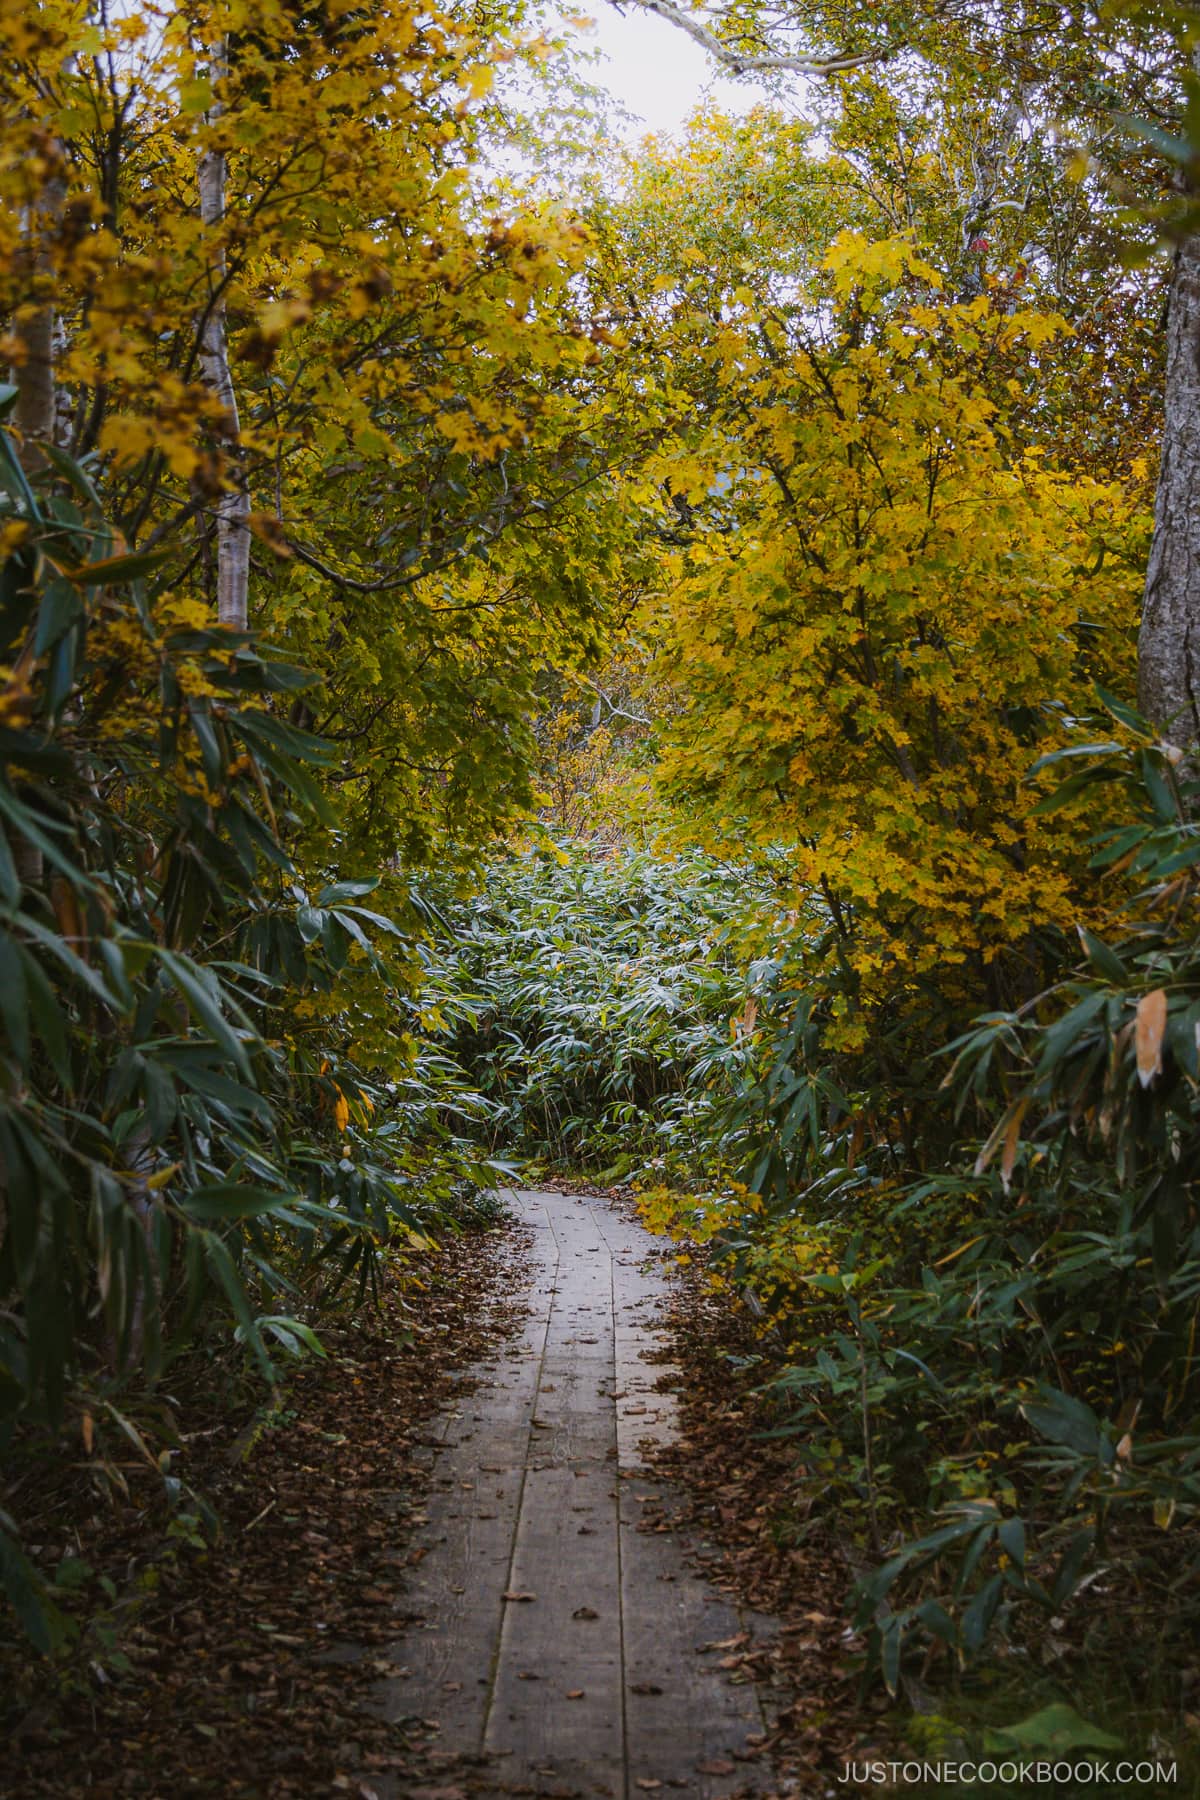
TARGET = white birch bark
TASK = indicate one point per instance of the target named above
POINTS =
(233, 508)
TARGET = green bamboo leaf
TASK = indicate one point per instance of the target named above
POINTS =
(222, 1266)
(39, 1618)
(235, 1200)
(206, 1009)
(1105, 961)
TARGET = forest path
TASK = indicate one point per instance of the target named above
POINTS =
(559, 1633)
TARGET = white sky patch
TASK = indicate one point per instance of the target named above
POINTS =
(657, 72)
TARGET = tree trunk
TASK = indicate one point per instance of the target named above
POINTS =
(35, 414)
(1169, 641)
(233, 508)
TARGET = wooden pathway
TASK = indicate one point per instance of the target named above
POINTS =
(553, 1638)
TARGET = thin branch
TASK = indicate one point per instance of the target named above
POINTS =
(743, 64)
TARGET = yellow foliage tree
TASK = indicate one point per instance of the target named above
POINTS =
(291, 329)
(882, 615)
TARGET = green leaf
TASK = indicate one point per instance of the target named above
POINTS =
(115, 571)
(347, 890)
(1125, 715)
(72, 472)
(310, 921)
(1106, 962)
(978, 1616)
(1012, 1540)
(373, 918)
(1065, 1031)
(303, 1336)
(48, 1018)
(222, 1266)
(40, 1619)
(1070, 751)
(1176, 149)
(206, 1009)
(59, 609)
(1159, 789)
(14, 1000)
(28, 825)
(1064, 1420)
(235, 1200)
(61, 950)
(1056, 1729)
(10, 885)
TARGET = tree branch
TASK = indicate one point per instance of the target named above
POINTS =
(743, 64)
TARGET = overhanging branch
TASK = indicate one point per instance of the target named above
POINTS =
(743, 63)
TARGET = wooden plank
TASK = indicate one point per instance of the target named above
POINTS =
(682, 1714)
(452, 1594)
(564, 1643)
(539, 1487)
(556, 1717)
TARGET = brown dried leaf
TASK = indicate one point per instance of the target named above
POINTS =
(1012, 1141)
(1150, 1027)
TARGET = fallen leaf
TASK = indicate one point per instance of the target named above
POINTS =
(644, 1687)
(575, 1693)
(716, 1765)
(585, 1612)
(647, 1784)
(512, 1594)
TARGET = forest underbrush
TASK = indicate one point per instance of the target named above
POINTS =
(979, 1372)
(218, 1640)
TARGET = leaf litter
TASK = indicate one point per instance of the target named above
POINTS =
(249, 1669)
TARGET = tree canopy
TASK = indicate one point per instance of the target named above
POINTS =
(672, 660)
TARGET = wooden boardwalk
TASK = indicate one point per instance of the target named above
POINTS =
(571, 1650)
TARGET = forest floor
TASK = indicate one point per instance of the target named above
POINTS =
(546, 1415)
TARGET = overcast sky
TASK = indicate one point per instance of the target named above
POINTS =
(656, 71)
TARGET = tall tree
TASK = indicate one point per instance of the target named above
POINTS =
(1074, 78)
(233, 507)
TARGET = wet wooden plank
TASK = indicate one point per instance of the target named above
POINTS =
(538, 1487)
(556, 1713)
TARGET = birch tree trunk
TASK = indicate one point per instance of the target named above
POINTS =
(233, 508)
(1169, 641)
(35, 412)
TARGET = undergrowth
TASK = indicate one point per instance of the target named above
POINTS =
(975, 1289)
